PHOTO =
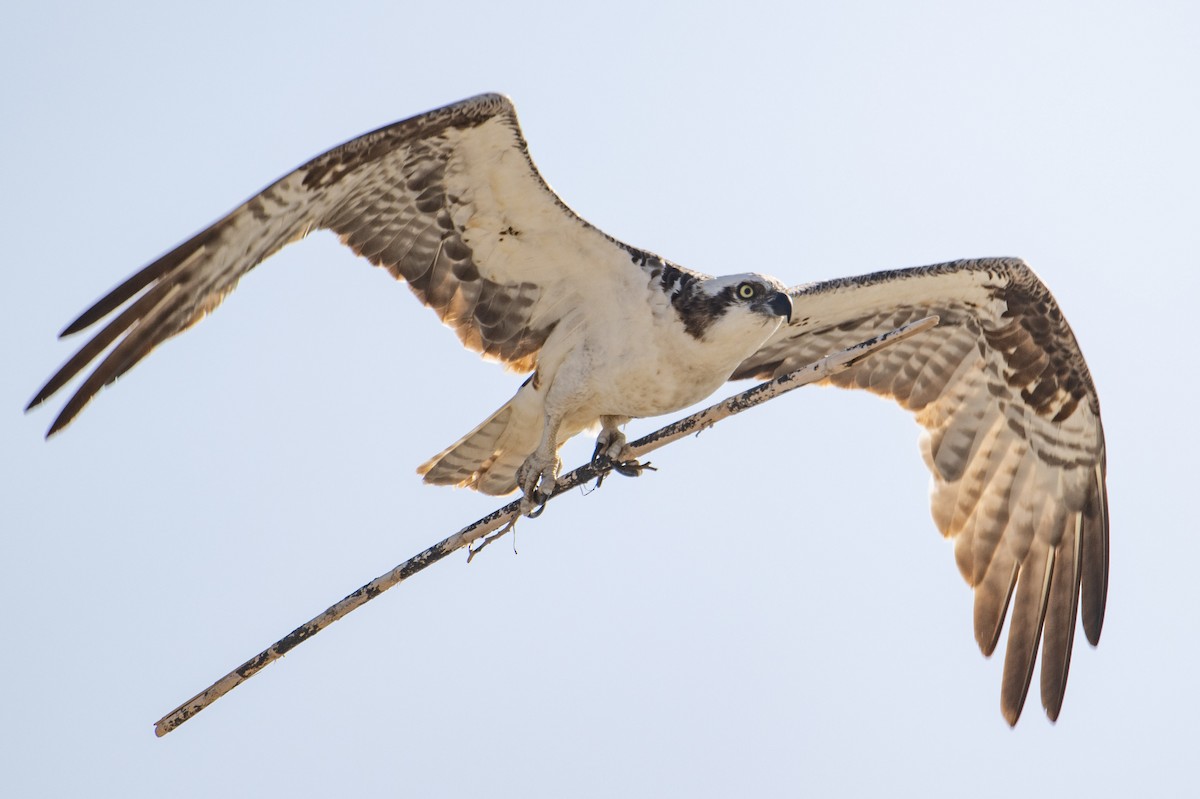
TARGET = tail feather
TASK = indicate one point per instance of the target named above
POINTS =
(487, 458)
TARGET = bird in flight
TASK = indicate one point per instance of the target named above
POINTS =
(451, 203)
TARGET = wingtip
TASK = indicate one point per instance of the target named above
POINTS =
(1094, 599)
(72, 328)
(1012, 701)
(65, 416)
(96, 311)
(47, 391)
(60, 421)
(1092, 628)
(44, 393)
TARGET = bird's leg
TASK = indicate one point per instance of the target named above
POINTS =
(610, 443)
(538, 475)
(611, 447)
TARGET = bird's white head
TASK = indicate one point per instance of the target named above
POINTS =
(741, 306)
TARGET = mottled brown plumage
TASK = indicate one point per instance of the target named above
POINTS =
(384, 194)
(450, 203)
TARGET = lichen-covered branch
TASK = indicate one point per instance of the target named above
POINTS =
(506, 516)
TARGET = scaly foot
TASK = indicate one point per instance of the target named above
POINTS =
(612, 448)
(537, 478)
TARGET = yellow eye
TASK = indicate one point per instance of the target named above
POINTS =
(746, 291)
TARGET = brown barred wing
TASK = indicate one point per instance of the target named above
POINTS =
(1012, 436)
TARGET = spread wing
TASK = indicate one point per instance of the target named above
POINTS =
(1012, 434)
(448, 201)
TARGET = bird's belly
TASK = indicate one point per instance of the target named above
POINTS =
(637, 367)
(639, 386)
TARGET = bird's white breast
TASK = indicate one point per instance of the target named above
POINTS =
(633, 357)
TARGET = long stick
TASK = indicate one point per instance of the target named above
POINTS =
(506, 516)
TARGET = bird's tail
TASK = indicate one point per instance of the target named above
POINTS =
(487, 458)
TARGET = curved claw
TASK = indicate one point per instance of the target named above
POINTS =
(533, 504)
(629, 468)
(598, 454)
(537, 478)
(632, 468)
(610, 446)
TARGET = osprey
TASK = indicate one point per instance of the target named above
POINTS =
(451, 203)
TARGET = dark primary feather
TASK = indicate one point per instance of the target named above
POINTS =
(1012, 436)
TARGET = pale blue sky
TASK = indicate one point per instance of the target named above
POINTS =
(736, 623)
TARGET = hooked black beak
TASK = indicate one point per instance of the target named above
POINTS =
(781, 304)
